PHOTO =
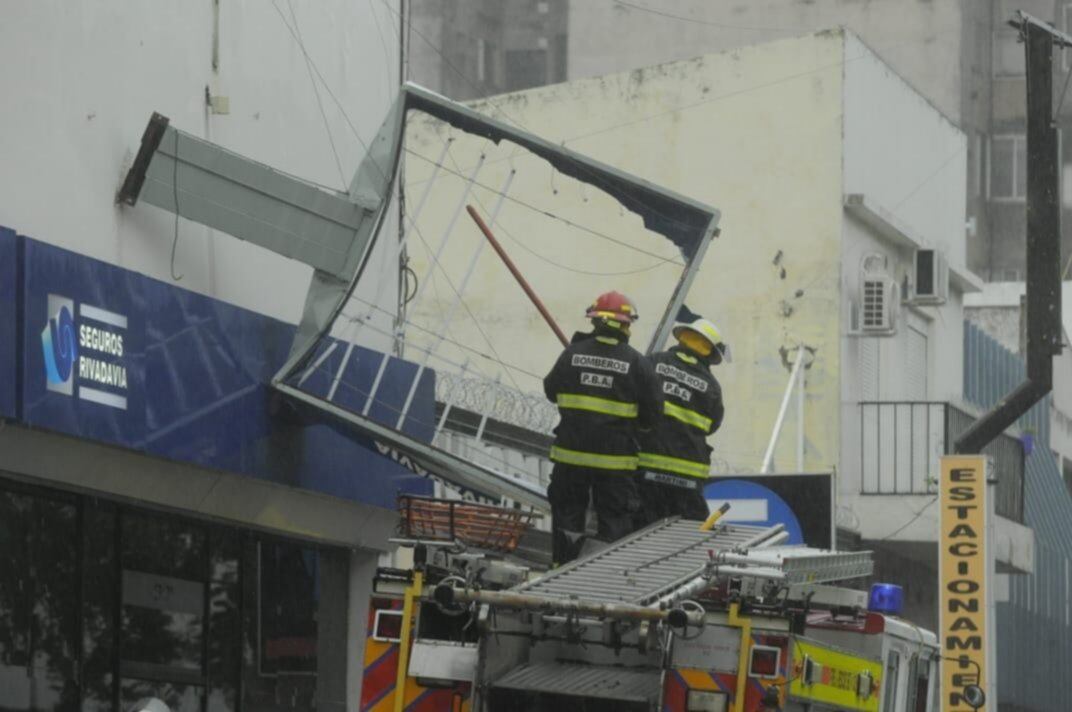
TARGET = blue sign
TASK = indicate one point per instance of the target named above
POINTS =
(752, 503)
(83, 346)
(9, 270)
(114, 356)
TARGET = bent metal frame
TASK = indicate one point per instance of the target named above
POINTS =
(334, 233)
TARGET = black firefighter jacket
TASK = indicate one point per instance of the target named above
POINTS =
(692, 410)
(606, 393)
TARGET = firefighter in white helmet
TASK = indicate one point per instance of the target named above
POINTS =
(675, 459)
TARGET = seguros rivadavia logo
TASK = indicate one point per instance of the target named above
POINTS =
(85, 345)
(60, 345)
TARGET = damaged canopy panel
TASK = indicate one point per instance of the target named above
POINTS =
(335, 232)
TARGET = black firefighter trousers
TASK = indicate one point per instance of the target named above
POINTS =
(614, 497)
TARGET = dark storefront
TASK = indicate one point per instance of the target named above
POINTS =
(103, 604)
(153, 492)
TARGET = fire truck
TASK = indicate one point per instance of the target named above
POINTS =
(677, 617)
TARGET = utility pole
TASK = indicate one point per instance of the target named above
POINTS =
(1043, 238)
(967, 491)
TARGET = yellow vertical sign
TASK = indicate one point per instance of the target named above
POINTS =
(963, 566)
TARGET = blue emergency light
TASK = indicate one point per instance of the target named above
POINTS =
(886, 598)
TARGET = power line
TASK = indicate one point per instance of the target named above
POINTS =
(931, 175)
(548, 213)
(918, 514)
(502, 228)
(327, 88)
(468, 311)
(316, 92)
(695, 21)
(383, 44)
(575, 270)
(426, 330)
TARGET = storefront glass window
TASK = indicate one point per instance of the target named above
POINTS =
(38, 633)
(99, 575)
(106, 605)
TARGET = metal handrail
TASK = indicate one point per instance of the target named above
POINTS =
(909, 427)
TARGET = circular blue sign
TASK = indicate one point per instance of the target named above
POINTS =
(753, 504)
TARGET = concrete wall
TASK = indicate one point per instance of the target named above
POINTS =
(902, 153)
(921, 39)
(755, 132)
(909, 163)
(88, 75)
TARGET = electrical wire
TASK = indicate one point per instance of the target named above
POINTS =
(175, 190)
(312, 64)
(383, 44)
(316, 92)
(327, 88)
(694, 21)
(918, 514)
(502, 228)
(548, 213)
(468, 311)
(931, 175)
(566, 268)
(453, 342)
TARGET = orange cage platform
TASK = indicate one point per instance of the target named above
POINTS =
(481, 525)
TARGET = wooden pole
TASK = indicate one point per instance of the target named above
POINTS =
(517, 274)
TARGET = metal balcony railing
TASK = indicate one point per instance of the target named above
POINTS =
(901, 443)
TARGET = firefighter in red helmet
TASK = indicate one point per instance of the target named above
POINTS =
(606, 392)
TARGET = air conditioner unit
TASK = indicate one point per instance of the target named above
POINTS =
(878, 297)
(874, 313)
(930, 283)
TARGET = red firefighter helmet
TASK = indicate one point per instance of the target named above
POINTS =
(615, 306)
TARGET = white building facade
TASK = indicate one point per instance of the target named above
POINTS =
(178, 532)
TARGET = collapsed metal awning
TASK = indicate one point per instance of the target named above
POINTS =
(334, 233)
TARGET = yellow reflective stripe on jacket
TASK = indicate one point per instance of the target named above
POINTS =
(686, 416)
(689, 468)
(687, 358)
(593, 459)
(597, 405)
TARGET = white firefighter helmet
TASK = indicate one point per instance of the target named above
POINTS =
(709, 332)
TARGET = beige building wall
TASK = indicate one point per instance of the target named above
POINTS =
(756, 132)
(923, 40)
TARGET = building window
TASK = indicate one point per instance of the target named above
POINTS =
(1008, 168)
(1066, 470)
(103, 605)
(1008, 55)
